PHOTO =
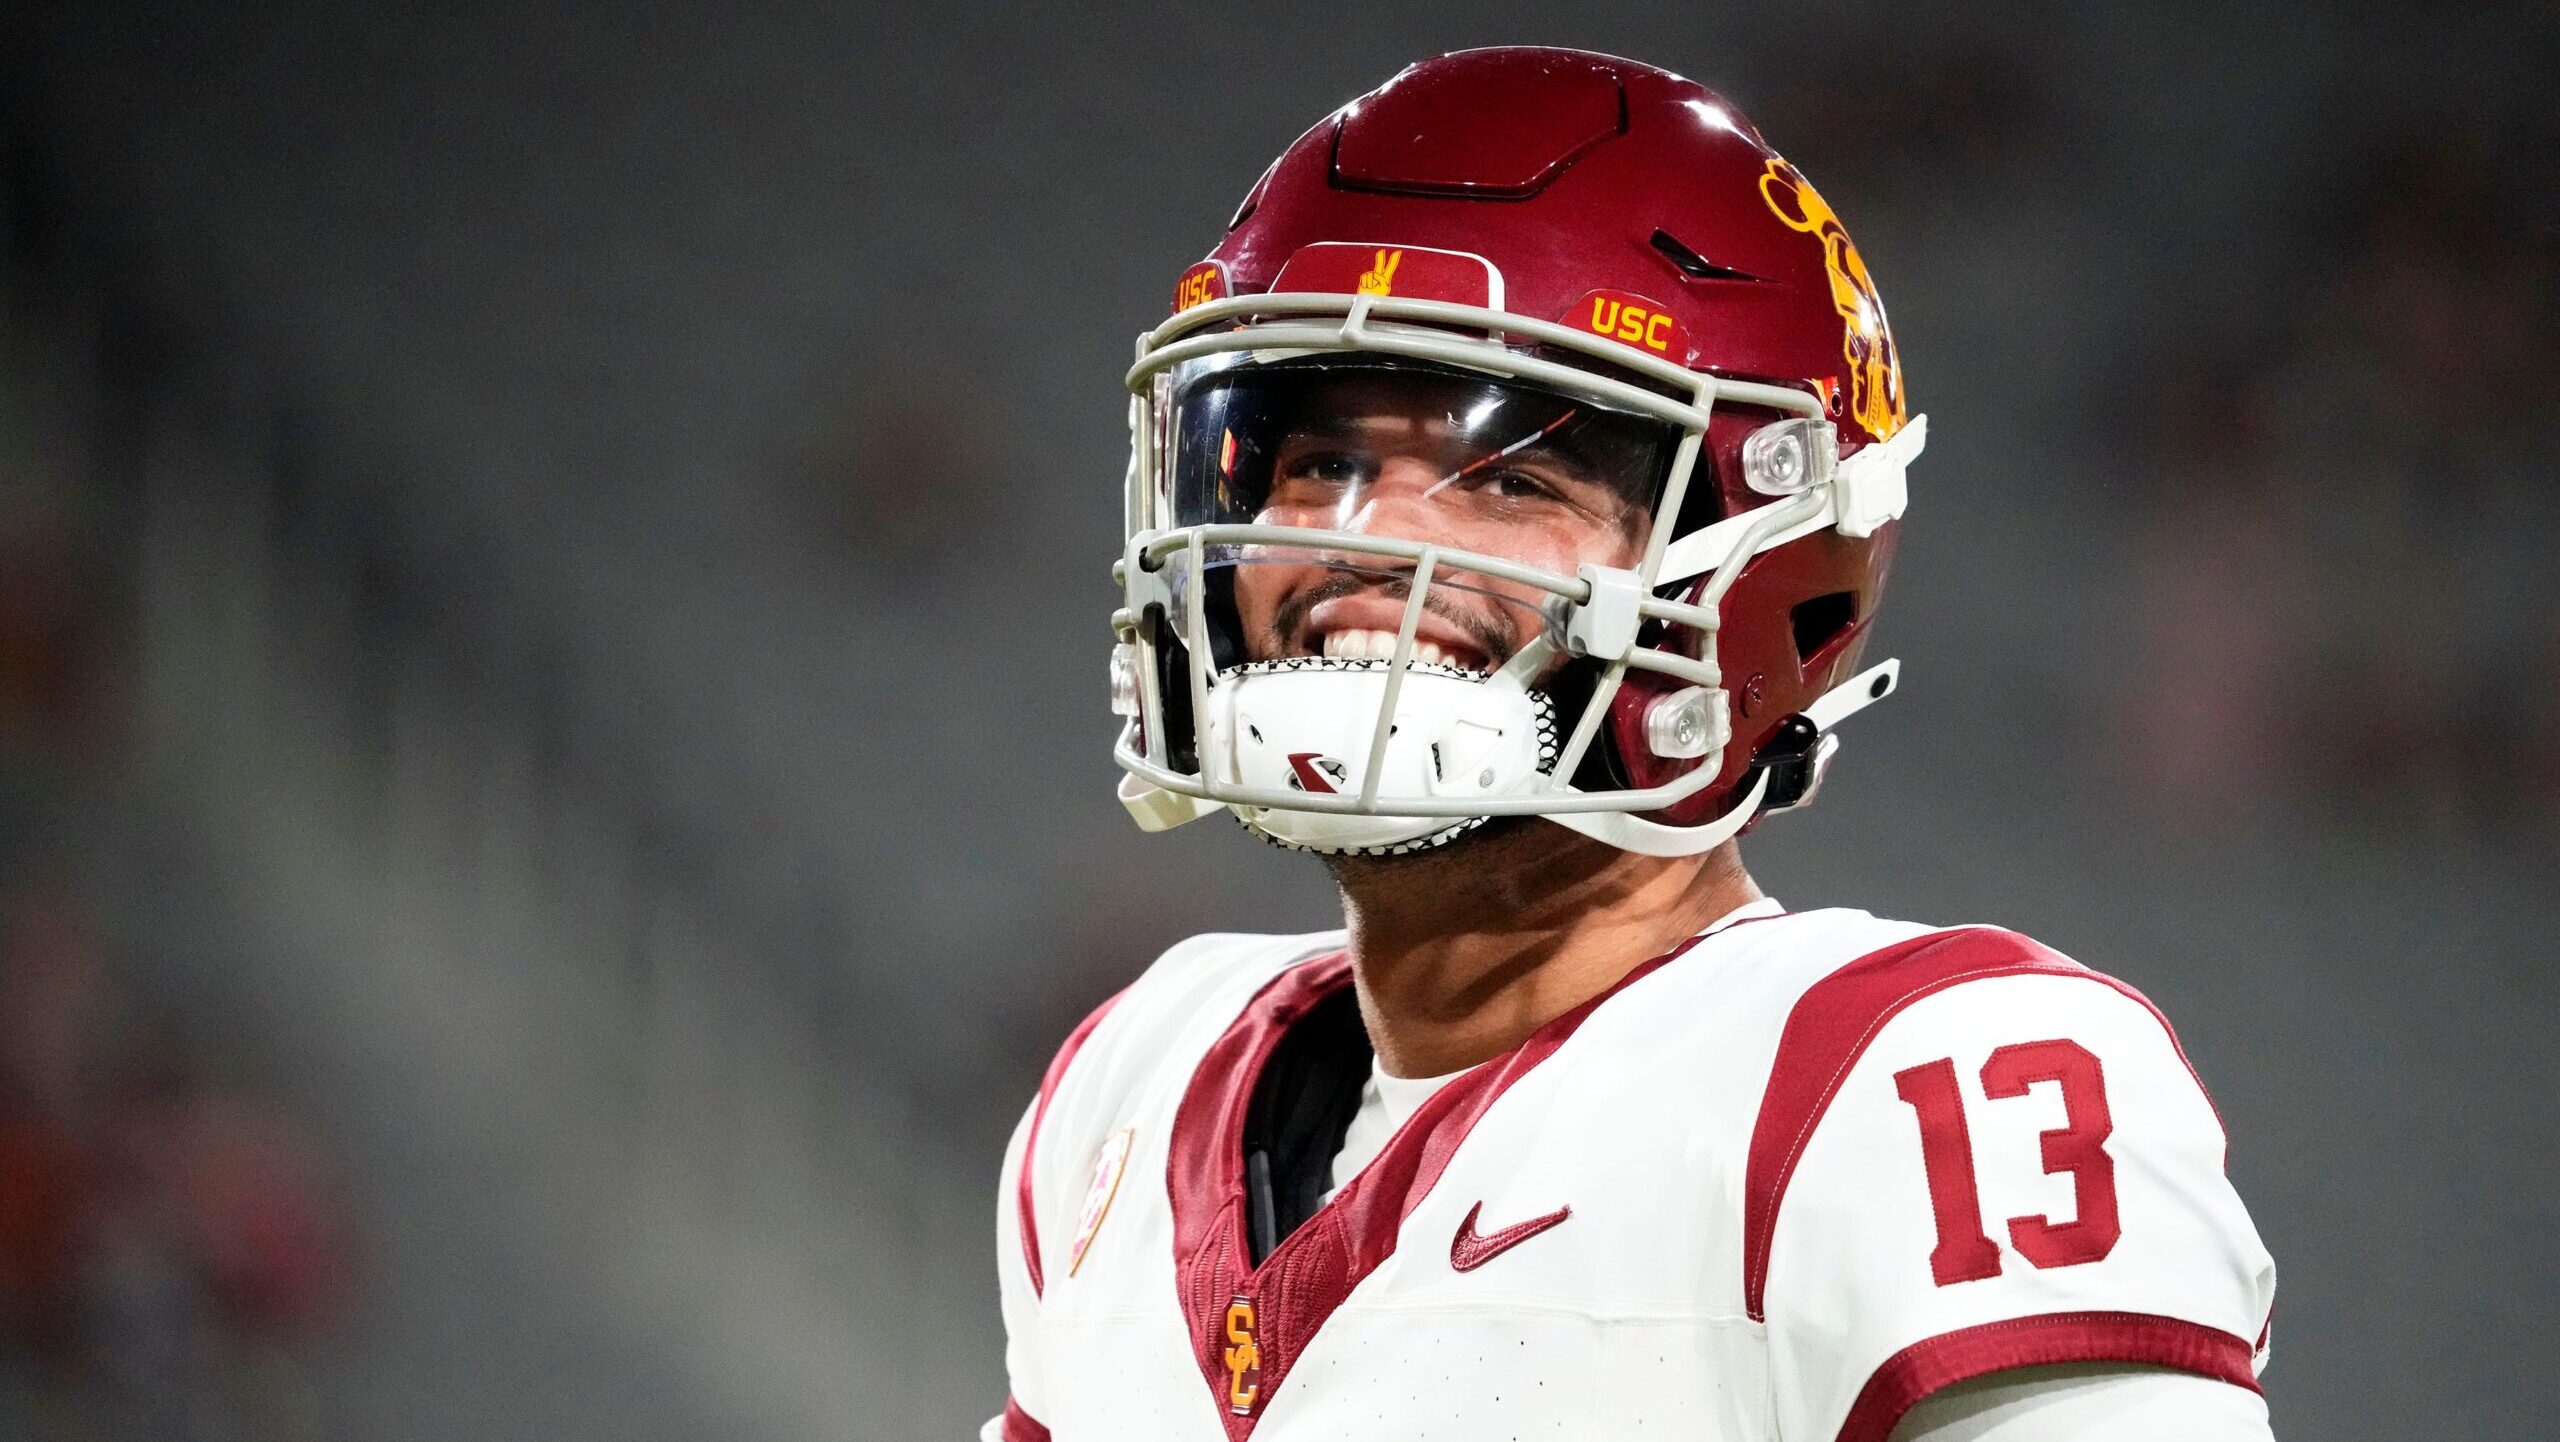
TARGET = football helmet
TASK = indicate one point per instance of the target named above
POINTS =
(1533, 444)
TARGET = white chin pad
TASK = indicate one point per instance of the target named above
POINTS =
(1305, 724)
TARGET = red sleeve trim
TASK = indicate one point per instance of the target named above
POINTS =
(1021, 1426)
(1031, 1142)
(1829, 1029)
(2134, 1338)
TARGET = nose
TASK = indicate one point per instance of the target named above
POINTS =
(1402, 501)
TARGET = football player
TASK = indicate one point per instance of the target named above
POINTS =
(1511, 494)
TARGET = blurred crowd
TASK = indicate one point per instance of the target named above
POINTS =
(616, 761)
(2348, 600)
(170, 1242)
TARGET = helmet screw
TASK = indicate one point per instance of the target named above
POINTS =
(1789, 457)
(1685, 723)
(1124, 679)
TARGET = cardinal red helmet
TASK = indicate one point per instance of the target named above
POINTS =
(1508, 225)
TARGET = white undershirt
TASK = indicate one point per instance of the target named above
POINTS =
(1385, 1102)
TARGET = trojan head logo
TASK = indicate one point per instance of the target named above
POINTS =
(1244, 1358)
(1380, 277)
(1875, 367)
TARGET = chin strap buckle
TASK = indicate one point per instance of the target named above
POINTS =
(1796, 757)
(1794, 760)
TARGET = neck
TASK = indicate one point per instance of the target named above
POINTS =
(1459, 954)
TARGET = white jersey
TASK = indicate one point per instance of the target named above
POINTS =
(1779, 1184)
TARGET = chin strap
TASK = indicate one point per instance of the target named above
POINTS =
(1156, 809)
(1652, 838)
(1854, 695)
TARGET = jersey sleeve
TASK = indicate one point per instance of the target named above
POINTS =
(1976, 1156)
(1029, 1203)
(2089, 1404)
(1019, 1297)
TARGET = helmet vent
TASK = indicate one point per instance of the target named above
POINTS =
(1821, 621)
(1692, 264)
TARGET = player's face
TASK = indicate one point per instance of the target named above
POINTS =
(1441, 464)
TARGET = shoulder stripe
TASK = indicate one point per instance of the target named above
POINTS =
(1021, 1426)
(1829, 1029)
(2133, 1338)
(1031, 1142)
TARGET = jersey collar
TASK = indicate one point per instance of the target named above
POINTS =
(1265, 1316)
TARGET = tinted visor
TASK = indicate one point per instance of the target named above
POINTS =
(1468, 457)
(1457, 460)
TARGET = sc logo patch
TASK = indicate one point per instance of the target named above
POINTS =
(1243, 1357)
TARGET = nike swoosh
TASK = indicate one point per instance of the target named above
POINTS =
(1468, 1251)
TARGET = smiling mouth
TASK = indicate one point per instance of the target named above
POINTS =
(1362, 644)
(1356, 617)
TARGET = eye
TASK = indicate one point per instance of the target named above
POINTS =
(1517, 485)
(1339, 468)
(1316, 480)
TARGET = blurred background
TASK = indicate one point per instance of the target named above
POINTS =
(553, 591)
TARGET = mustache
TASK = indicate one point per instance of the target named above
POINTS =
(1490, 635)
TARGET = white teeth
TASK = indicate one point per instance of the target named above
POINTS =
(1360, 645)
(1364, 645)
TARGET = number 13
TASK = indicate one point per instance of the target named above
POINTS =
(1963, 1253)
